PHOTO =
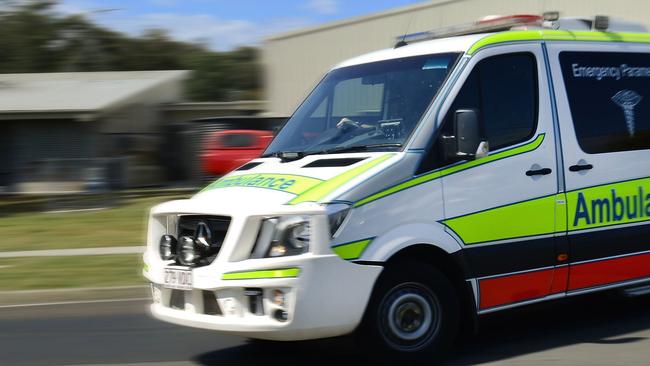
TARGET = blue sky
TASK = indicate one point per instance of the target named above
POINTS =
(222, 24)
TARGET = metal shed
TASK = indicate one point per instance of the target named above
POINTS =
(55, 126)
(295, 61)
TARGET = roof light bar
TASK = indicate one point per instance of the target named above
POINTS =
(549, 20)
(487, 24)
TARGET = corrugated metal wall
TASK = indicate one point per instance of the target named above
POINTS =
(295, 62)
(6, 154)
(37, 141)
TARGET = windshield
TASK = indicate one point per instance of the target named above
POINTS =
(375, 105)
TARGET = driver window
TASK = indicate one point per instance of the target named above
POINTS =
(503, 89)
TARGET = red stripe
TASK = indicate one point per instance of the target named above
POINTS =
(515, 288)
(609, 271)
(532, 285)
(560, 280)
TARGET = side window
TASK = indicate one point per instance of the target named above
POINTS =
(609, 99)
(504, 91)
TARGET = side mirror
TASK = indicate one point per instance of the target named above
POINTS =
(467, 131)
(466, 142)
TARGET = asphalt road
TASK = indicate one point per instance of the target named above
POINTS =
(594, 330)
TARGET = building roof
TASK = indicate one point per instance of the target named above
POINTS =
(77, 92)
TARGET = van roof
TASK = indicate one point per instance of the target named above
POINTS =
(469, 44)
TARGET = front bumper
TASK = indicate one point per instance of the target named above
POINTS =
(327, 297)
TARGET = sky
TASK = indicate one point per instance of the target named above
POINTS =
(222, 24)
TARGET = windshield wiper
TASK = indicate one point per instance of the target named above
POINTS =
(287, 156)
(345, 149)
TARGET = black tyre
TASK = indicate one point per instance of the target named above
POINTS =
(413, 315)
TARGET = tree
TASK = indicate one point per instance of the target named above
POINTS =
(34, 38)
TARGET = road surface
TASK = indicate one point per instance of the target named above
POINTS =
(594, 330)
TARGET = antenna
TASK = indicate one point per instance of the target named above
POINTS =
(403, 42)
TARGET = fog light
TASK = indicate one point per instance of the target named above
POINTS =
(167, 247)
(277, 297)
(277, 250)
(281, 315)
(155, 294)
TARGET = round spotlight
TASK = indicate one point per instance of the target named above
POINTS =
(167, 247)
(187, 255)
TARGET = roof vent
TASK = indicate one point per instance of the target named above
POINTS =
(551, 16)
(329, 163)
(249, 166)
(601, 23)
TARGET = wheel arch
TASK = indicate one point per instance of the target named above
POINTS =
(453, 266)
(402, 237)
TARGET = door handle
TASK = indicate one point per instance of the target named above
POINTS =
(542, 171)
(580, 167)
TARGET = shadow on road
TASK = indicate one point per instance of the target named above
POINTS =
(598, 319)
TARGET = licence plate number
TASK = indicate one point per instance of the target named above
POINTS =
(180, 279)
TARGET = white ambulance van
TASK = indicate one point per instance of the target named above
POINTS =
(457, 174)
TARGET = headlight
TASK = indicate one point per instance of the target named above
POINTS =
(283, 236)
(336, 215)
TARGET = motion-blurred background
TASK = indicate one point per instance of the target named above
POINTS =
(108, 107)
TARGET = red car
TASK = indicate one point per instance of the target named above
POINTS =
(227, 150)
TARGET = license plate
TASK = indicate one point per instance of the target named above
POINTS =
(179, 279)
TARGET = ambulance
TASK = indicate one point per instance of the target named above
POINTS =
(461, 172)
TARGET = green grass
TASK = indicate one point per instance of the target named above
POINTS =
(70, 272)
(125, 225)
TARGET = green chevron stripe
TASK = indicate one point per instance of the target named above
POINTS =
(557, 35)
(322, 190)
(454, 169)
(263, 274)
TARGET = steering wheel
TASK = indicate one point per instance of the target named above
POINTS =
(346, 125)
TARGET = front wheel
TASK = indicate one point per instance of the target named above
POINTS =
(413, 314)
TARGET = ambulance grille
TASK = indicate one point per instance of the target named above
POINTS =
(217, 227)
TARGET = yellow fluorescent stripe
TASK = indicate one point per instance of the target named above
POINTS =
(558, 35)
(560, 213)
(352, 250)
(591, 207)
(498, 156)
(323, 189)
(529, 218)
(454, 169)
(262, 274)
(611, 204)
(295, 184)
